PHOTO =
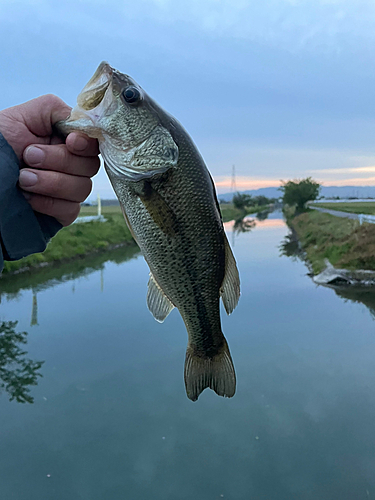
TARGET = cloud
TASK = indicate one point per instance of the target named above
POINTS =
(313, 25)
(348, 181)
(280, 88)
(224, 184)
(310, 25)
(336, 171)
(265, 166)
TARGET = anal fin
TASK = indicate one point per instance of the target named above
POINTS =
(230, 288)
(157, 302)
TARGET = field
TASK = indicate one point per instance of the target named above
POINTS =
(110, 210)
(354, 207)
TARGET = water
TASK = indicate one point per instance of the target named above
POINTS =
(110, 417)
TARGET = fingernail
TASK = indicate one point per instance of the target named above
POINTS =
(80, 143)
(27, 179)
(33, 155)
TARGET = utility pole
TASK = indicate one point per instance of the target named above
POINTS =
(99, 206)
(34, 311)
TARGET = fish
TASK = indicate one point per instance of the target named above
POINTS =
(169, 203)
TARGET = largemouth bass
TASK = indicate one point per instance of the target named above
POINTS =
(169, 203)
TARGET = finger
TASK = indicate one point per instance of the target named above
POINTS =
(55, 184)
(64, 211)
(82, 145)
(42, 113)
(57, 158)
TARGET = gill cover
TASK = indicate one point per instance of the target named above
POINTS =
(155, 155)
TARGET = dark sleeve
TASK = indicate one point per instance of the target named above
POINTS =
(22, 231)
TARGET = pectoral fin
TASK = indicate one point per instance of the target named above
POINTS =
(230, 288)
(157, 302)
(159, 210)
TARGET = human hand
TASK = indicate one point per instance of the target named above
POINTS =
(59, 177)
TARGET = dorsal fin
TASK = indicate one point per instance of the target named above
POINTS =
(157, 302)
(230, 287)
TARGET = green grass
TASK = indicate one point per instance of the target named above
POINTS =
(344, 242)
(354, 207)
(79, 240)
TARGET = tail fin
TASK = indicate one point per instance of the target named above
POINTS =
(217, 373)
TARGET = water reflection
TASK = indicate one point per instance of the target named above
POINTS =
(48, 277)
(290, 247)
(116, 418)
(263, 215)
(34, 311)
(243, 225)
(17, 373)
(358, 296)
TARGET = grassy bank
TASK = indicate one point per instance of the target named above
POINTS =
(342, 241)
(353, 207)
(78, 240)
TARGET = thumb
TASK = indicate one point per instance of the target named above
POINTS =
(40, 114)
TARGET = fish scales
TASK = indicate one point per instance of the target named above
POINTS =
(169, 203)
(192, 277)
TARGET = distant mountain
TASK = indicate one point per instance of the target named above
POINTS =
(326, 192)
(270, 192)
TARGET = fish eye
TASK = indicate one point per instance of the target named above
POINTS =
(131, 95)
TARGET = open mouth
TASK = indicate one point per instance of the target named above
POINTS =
(94, 91)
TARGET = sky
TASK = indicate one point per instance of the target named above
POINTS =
(282, 89)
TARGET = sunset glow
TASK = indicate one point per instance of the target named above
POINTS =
(223, 184)
(243, 183)
(264, 224)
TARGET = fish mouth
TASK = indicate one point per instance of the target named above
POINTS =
(96, 98)
(94, 91)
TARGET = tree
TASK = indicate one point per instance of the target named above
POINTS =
(262, 200)
(17, 373)
(300, 191)
(241, 200)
